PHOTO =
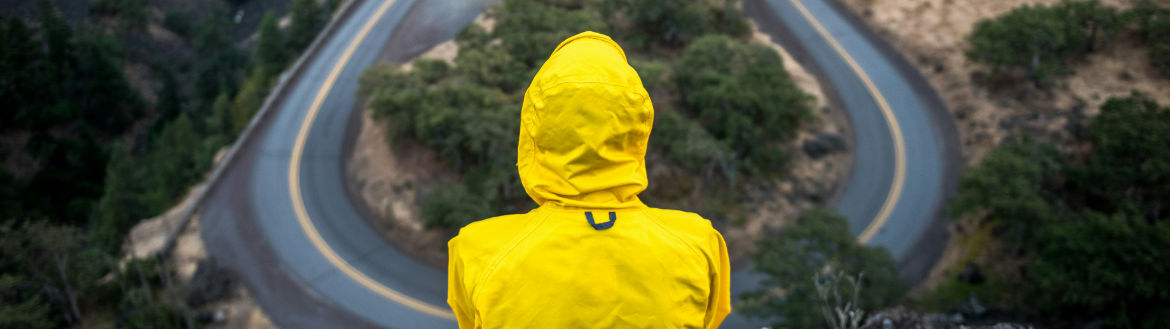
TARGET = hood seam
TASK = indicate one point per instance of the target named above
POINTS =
(558, 84)
(591, 35)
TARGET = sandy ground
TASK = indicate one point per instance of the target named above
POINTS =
(390, 178)
(147, 238)
(931, 35)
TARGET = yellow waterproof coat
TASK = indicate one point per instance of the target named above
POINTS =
(592, 255)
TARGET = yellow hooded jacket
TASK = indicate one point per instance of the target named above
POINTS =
(592, 255)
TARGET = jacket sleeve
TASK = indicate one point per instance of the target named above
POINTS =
(457, 293)
(719, 302)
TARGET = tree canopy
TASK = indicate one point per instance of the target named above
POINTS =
(744, 98)
(1094, 230)
(1040, 39)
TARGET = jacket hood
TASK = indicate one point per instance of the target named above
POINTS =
(584, 128)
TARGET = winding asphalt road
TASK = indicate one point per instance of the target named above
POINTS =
(281, 216)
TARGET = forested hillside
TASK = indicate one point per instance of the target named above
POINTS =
(90, 148)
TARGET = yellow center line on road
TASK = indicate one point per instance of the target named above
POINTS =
(294, 186)
(899, 145)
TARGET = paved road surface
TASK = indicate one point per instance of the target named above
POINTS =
(282, 217)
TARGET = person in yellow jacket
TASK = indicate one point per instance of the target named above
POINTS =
(592, 255)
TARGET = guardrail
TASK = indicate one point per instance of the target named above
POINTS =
(278, 91)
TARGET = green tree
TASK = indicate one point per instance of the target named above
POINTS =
(20, 57)
(22, 306)
(307, 20)
(1155, 23)
(248, 102)
(1107, 266)
(686, 142)
(1093, 230)
(530, 29)
(170, 101)
(491, 66)
(1040, 39)
(745, 98)
(1129, 169)
(121, 206)
(1014, 184)
(39, 254)
(271, 55)
(131, 13)
(673, 23)
(220, 65)
(819, 242)
(454, 206)
(173, 164)
(220, 121)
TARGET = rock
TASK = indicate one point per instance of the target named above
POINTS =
(210, 283)
(901, 317)
(970, 274)
(1004, 325)
(939, 320)
(823, 144)
(211, 317)
(972, 307)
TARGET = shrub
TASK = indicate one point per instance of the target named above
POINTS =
(673, 23)
(1155, 23)
(819, 242)
(745, 99)
(1093, 230)
(1040, 39)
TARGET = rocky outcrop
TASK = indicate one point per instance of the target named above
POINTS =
(904, 318)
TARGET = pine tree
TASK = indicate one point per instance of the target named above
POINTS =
(307, 20)
(270, 53)
(121, 204)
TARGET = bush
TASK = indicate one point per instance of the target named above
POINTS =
(673, 23)
(1155, 23)
(687, 143)
(1040, 39)
(1094, 231)
(132, 13)
(1129, 169)
(307, 20)
(1013, 185)
(530, 29)
(180, 22)
(1107, 266)
(454, 206)
(819, 242)
(745, 99)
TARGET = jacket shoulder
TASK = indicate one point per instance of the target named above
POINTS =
(485, 237)
(689, 225)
